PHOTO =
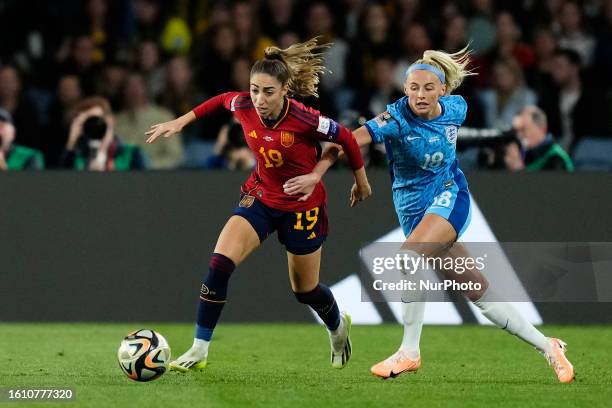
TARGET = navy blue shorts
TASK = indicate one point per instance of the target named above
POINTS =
(300, 232)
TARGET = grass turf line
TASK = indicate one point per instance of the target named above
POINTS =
(288, 365)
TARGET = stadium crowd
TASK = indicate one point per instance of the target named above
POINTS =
(81, 81)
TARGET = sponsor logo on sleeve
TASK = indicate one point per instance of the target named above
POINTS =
(324, 124)
(382, 119)
(328, 127)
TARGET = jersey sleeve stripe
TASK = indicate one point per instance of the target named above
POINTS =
(310, 121)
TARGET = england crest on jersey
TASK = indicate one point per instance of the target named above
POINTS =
(451, 134)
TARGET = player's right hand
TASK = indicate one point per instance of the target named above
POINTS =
(165, 129)
(360, 193)
(304, 184)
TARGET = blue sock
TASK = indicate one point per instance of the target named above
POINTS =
(213, 295)
(322, 301)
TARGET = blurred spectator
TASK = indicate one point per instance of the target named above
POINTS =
(541, 152)
(215, 60)
(180, 96)
(603, 50)
(279, 16)
(352, 15)
(149, 65)
(408, 12)
(287, 38)
(374, 41)
(231, 151)
(176, 37)
(93, 144)
(320, 22)
(68, 95)
(82, 62)
(455, 34)
(241, 74)
(12, 156)
(103, 27)
(572, 32)
(250, 40)
(545, 45)
(481, 28)
(146, 20)
(374, 100)
(415, 41)
(139, 115)
(509, 43)
(110, 84)
(546, 14)
(508, 96)
(573, 109)
(14, 100)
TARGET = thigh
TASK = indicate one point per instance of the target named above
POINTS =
(237, 239)
(303, 232)
(261, 217)
(432, 235)
(304, 271)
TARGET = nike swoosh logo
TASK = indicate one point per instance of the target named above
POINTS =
(413, 138)
(506, 326)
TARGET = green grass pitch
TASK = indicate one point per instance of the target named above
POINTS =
(288, 365)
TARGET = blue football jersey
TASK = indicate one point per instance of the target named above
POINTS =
(421, 152)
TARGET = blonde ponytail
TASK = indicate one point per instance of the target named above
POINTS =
(454, 66)
(302, 63)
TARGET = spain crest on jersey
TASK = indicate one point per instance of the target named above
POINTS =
(287, 139)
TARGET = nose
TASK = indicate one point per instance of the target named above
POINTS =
(259, 100)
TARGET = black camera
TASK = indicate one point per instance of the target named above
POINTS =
(492, 145)
(94, 128)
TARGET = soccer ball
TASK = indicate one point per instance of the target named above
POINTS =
(143, 355)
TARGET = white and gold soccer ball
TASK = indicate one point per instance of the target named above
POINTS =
(144, 355)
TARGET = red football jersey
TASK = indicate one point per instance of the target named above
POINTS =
(284, 150)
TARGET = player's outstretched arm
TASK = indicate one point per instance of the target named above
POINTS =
(170, 128)
(175, 126)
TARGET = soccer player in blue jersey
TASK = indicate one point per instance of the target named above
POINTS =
(432, 200)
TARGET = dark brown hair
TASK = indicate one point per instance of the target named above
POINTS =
(298, 66)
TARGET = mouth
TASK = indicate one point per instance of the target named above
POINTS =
(422, 105)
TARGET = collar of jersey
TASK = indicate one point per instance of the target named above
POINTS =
(282, 116)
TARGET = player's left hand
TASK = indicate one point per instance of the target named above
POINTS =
(301, 185)
(360, 193)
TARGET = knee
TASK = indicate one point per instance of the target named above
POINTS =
(477, 294)
(221, 265)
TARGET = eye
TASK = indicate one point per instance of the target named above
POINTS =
(269, 93)
(429, 88)
(254, 91)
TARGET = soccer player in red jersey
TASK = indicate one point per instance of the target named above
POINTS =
(284, 135)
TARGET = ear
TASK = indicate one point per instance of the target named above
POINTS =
(443, 90)
(285, 90)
